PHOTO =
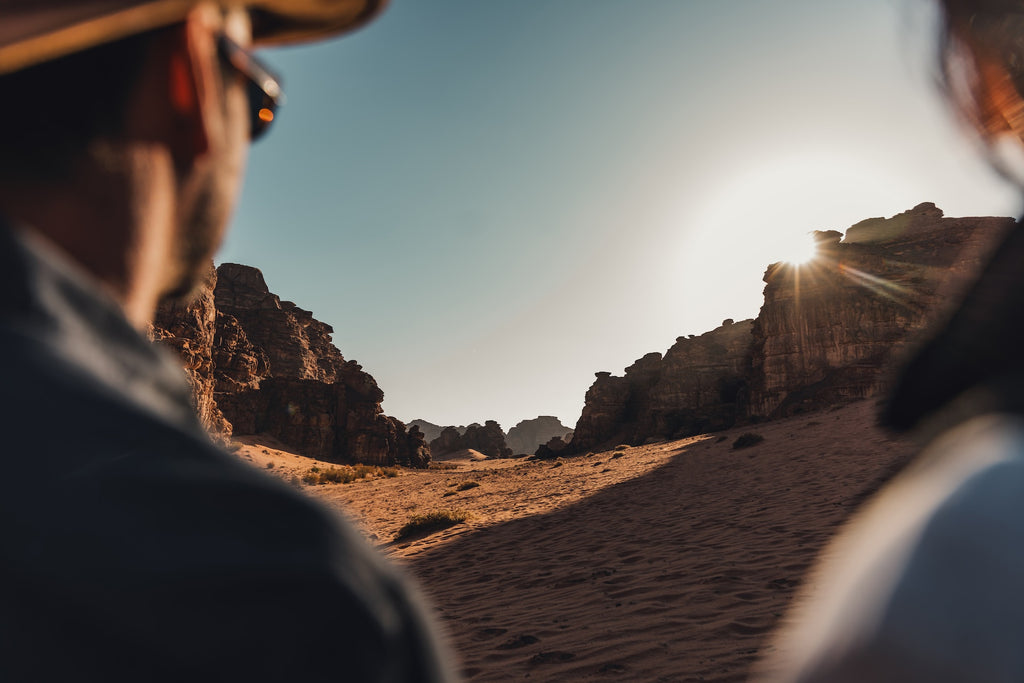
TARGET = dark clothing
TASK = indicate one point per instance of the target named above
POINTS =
(925, 584)
(133, 548)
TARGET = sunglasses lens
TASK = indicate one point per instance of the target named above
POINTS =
(262, 108)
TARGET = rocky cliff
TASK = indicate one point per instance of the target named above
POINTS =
(826, 333)
(262, 365)
(528, 435)
(828, 329)
(695, 387)
(189, 328)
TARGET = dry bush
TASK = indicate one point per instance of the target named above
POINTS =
(430, 522)
(346, 474)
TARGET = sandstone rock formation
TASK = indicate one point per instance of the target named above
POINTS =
(189, 329)
(262, 365)
(488, 439)
(696, 387)
(827, 330)
(526, 436)
(297, 345)
(825, 334)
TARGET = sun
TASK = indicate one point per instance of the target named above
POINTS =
(798, 250)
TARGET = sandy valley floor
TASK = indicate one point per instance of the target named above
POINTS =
(668, 562)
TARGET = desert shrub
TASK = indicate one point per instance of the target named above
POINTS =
(345, 474)
(270, 465)
(334, 475)
(442, 466)
(430, 522)
(465, 486)
(747, 440)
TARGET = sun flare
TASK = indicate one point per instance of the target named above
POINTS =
(798, 250)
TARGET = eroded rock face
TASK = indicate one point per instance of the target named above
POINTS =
(827, 331)
(526, 436)
(262, 365)
(696, 387)
(189, 329)
(297, 345)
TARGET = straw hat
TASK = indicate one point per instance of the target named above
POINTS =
(34, 31)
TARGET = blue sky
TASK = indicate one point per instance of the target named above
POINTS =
(491, 201)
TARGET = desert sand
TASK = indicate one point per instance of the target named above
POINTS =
(666, 562)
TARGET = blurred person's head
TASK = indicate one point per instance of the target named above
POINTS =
(125, 126)
(982, 58)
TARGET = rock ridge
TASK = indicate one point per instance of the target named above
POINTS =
(827, 333)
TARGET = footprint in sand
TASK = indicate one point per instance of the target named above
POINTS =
(518, 642)
(488, 633)
(553, 656)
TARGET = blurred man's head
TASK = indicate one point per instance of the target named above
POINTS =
(983, 65)
(125, 125)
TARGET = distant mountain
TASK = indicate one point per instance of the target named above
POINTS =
(430, 430)
(487, 438)
(528, 435)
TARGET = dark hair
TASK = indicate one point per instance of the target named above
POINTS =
(50, 113)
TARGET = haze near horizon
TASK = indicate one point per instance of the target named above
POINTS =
(491, 202)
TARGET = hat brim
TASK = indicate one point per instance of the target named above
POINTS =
(33, 32)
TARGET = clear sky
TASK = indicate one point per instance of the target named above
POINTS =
(491, 201)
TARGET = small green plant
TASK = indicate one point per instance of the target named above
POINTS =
(430, 522)
(467, 485)
(747, 440)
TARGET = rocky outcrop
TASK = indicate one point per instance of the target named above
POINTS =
(297, 345)
(695, 387)
(189, 328)
(262, 365)
(488, 439)
(828, 329)
(555, 447)
(825, 334)
(526, 436)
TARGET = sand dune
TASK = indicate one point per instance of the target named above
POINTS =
(669, 562)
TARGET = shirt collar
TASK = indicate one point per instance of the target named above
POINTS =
(54, 303)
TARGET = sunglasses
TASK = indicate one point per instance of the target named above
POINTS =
(262, 86)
